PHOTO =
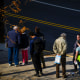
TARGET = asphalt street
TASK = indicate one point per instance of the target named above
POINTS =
(61, 12)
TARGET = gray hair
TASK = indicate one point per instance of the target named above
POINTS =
(63, 35)
(15, 27)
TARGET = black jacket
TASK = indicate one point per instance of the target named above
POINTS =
(24, 41)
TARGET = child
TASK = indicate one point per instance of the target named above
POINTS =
(24, 46)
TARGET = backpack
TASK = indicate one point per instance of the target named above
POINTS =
(38, 45)
(41, 35)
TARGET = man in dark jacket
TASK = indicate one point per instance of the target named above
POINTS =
(74, 51)
(35, 53)
(13, 39)
(41, 35)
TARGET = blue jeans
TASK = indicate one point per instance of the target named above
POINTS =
(11, 51)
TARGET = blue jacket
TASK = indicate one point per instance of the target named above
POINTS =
(14, 36)
(32, 46)
(36, 46)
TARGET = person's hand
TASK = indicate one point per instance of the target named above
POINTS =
(58, 54)
(75, 62)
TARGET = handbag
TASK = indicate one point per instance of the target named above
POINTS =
(6, 45)
(58, 59)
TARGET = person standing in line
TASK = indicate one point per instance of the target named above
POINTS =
(74, 51)
(24, 46)
(35, 51)
(59, 48)
(13, 39)
(41, 35)
(77, 55)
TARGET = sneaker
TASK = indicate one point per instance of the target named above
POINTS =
(16, 65)
(57, 76)
(42, 74)
(65, 76)
(37, 75)
(10, 64)
(23, 63)
(44, 66)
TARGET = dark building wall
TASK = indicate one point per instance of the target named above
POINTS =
(1, 23)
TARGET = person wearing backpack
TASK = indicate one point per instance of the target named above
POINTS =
(24, 46)
(36, 47)
(41, 35)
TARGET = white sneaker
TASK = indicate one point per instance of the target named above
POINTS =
(10, 64)
(23, 63)
(16, 65)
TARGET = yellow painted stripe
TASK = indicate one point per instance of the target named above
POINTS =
(53, 55)
(70, 56)
(43, 22)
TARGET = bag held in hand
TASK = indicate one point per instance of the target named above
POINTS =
(6, 45)
(58, 59)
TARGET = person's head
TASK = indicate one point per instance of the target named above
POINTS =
(32, 34)
(15, 28)
(23, 29)
(78, 36)
(63, 35)
(37, 29)
(78, 42)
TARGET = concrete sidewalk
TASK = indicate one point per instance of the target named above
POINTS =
(27, 72)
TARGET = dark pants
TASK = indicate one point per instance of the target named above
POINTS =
(11, 51)
(75, 66)
(37, 63)
(63, 62)
(42, 59)
(79, 67)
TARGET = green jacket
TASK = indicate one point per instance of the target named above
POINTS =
(60, 46)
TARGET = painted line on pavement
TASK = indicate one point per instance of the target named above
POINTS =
(43, 22)
(52, 55)
(56, 6)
